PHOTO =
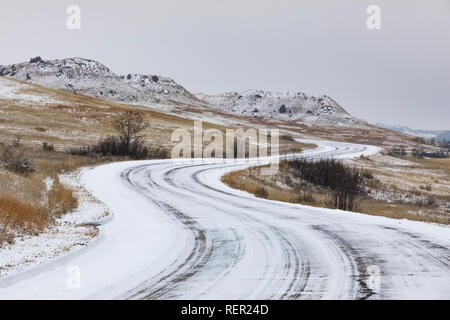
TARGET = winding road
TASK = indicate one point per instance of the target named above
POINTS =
(179, 233)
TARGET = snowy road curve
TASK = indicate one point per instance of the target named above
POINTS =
(179, 233)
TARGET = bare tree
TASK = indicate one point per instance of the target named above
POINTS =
(129, 143)
(129, 124)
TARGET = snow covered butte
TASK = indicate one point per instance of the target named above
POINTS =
(91, 78)
(289, 106)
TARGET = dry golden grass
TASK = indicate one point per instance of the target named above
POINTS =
(369, 134)
(402, 211)
(80, 120)
(50, 163)
(251, 181)
(20, 215)
(439, 164)
(287, 146)
(75, 121)
(29, 213)
(60, 199)
(25, 205)
(408, 175)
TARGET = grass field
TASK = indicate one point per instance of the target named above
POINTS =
(414, 189)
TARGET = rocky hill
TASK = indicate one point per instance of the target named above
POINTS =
(91, 78)
(289, 106)
(415, 132)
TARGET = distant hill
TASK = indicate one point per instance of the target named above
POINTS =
(91, 78)
(444, 136)
(415, 132)
(288, 106)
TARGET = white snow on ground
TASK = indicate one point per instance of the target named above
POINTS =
(72, 232)
(178, 232)
(138, 239)
(13, 90)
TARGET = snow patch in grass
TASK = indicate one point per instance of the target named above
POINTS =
(71, 232)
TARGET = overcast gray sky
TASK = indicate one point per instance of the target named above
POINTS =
(397, 75)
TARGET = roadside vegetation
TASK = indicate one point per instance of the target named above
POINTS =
(343, 183)
(31, 195)
(441, 149)
(415, 189)
(128, 143)
(327, 183)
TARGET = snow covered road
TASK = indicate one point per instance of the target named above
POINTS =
(179, 233)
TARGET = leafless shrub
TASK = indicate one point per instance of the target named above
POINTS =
(431, 201)
(6, 236)
(418, 153)
(47, 147)
(16, 142)
(368, 175)
(345, 183)
(129, 143)
(397, 152)
(288, 180)
(15, 160)
(420, 140)
(157, 152)
(428, 202)
(287, 138)
(262, 193)
(306, 197)
(113, 146)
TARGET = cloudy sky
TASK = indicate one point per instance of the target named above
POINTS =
(397, 75)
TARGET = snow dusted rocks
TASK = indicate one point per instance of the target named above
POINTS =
(91, 78)
(290, 106)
